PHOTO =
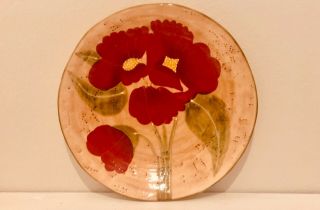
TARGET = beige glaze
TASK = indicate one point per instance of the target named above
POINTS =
(191, 162)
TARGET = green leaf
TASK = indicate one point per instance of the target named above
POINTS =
(130, 132)
(206, 117)
(109, 102)
(89, 56)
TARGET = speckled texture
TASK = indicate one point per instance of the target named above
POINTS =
(191, 161)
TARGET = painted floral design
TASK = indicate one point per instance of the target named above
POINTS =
(170, 73)
(173, 61)
(177, 72)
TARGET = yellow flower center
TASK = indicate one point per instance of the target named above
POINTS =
(171, 63)
(131, 63)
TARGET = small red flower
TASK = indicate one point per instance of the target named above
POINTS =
(114, 147)
(114, 50)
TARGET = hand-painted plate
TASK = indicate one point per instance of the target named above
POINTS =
(157, 102)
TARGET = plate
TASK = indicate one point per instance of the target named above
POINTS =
(157, 102)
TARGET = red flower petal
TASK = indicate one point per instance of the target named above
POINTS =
(156, 105)
(171, 28)
(164, 76)
(114, 147)
(156, 51)
(104, 75)
(108, 160)
(203, 47)
(184, 97)
(198, 70)
(165, 45)
(112, 47)
(119, 46)
(128, 77)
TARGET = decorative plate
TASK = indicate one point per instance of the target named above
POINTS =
(157, 102)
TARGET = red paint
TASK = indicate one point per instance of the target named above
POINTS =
(156, 105)
(114, 147)
(196, 69)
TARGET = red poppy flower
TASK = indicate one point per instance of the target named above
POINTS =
(115, 50)
(114, 147)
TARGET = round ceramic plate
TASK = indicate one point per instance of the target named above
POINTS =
(157, 102)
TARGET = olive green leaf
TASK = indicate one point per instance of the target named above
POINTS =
(89, 56)
(130, 132)
(109, 102)
(206, 117)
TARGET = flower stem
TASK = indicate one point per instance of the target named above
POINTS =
(157, 132)
(173, 132)
(165, 167)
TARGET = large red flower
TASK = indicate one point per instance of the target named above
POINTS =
(195, 68)
(114, 147)
(115, 50)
